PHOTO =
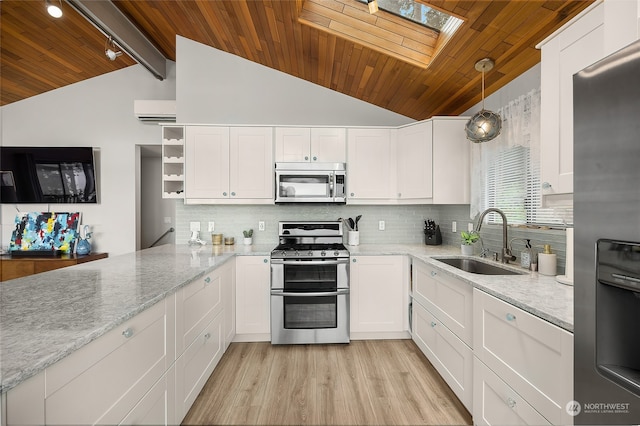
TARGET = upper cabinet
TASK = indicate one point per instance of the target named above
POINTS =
(415, 168)
(451, 161)
(371, 166)
(229, 165)
(304, 144)
(577, 45)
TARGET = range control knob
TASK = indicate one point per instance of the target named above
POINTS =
(310, 253)
(323, 253)
(336, 253)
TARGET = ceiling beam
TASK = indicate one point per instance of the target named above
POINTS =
(107, 18)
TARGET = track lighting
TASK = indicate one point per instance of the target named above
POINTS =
(485, 125)
(111, 50)
(54, 8)
(373, 6)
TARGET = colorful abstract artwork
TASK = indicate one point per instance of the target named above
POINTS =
(49, 231)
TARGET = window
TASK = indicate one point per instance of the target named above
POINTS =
(417, 12)
(506, 171)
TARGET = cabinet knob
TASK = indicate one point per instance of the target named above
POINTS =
(207, 336)
(546, 185)
(207, 280)
(315, 158)
(352, 194)
(353, 260)
(433, 324)
(224, 194)
(511, 402)
(233, 194)
(510, 317)
(399, 194)
(306, 158)
(434, 273)
(265, 260)
(128, 332)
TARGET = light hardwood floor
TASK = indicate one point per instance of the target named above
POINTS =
(367, 382)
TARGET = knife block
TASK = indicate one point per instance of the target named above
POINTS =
(433, 237)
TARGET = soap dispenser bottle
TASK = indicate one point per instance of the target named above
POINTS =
(547, 261)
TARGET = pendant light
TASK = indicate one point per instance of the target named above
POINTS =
(485, 125)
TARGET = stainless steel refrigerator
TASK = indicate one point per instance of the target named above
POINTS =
(607, 240)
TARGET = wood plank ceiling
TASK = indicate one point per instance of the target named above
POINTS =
(39, 53)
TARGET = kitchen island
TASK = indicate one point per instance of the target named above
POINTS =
(47, 317)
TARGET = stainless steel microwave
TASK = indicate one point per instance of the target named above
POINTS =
(310, 183)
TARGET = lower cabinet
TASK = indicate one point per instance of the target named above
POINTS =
(157, 407)
(496, 403)
(449, 355)
(379, 295)
(196, 364)
(253, 298)
(532, 355)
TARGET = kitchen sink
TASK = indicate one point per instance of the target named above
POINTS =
(476, 267)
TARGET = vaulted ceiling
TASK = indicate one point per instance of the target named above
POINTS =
(39, 53)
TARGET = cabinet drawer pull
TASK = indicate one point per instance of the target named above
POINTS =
(511, 403)
(315, 158)
(354, 260)
(546, 185)
(207, 336)
(434, 273)
(207, 280)
(265, 260)
(352, 194)
(128, 332)
(510, 317)
(233, 194)
(224, 194)
(433, 324)
(306, 157)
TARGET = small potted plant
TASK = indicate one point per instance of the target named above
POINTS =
(468, 239)
(248, 237)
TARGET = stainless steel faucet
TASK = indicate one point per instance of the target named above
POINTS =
(506, 251)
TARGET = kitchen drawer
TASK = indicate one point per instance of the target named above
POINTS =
(104, 380)
(495, 403)
(534, 356)
(196, 305)
(450, 299)
(157, 407)
(196, 364)
(450, 356)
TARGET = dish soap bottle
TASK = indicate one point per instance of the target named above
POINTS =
(547, 261)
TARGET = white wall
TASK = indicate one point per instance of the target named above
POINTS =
(217, 87)
(97, 112)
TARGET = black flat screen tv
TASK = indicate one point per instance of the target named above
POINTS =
(64, 175)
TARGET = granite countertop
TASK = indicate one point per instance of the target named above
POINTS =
(45, 317)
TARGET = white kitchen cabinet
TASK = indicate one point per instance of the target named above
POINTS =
(530, 354)
(228, 277)
(371, 166)
(442, 326)
(229, 165)
(196, 364)
(621, 24)
(253, 298)
(196, 305)
(414, 154)
(449, 355)
(158, 406)
(575, 46)
(207, 163)
(378, 295)
(173, 162)
(25, 402)
(451, 161)
(496, 404)
(449, 298)
(304, 144)
(103, 381)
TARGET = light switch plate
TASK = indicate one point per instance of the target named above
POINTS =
(194, 226)
(470, 227)
(454, 226)
(211, 227)
(261, 225)
(381, 225)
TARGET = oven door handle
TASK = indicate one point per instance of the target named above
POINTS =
(339, 292)
(309, 262)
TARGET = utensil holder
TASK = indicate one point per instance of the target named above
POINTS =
(353, 238)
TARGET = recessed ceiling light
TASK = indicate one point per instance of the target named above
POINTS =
(54, 8)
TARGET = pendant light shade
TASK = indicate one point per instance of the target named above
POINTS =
(485, 125)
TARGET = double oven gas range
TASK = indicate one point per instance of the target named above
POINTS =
(310, 284)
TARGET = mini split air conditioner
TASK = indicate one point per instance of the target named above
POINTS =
(155, 111)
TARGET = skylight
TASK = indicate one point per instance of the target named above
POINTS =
(415, 11)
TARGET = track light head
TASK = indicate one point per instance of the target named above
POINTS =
(54, 8)
(110, 50)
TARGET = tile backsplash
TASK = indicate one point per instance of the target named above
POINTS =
(403, 224)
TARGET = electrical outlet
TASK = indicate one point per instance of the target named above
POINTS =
(194, 226)
(381, 225)
(454, 226)
(211, 227)
(470, 227)
(261, 225)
